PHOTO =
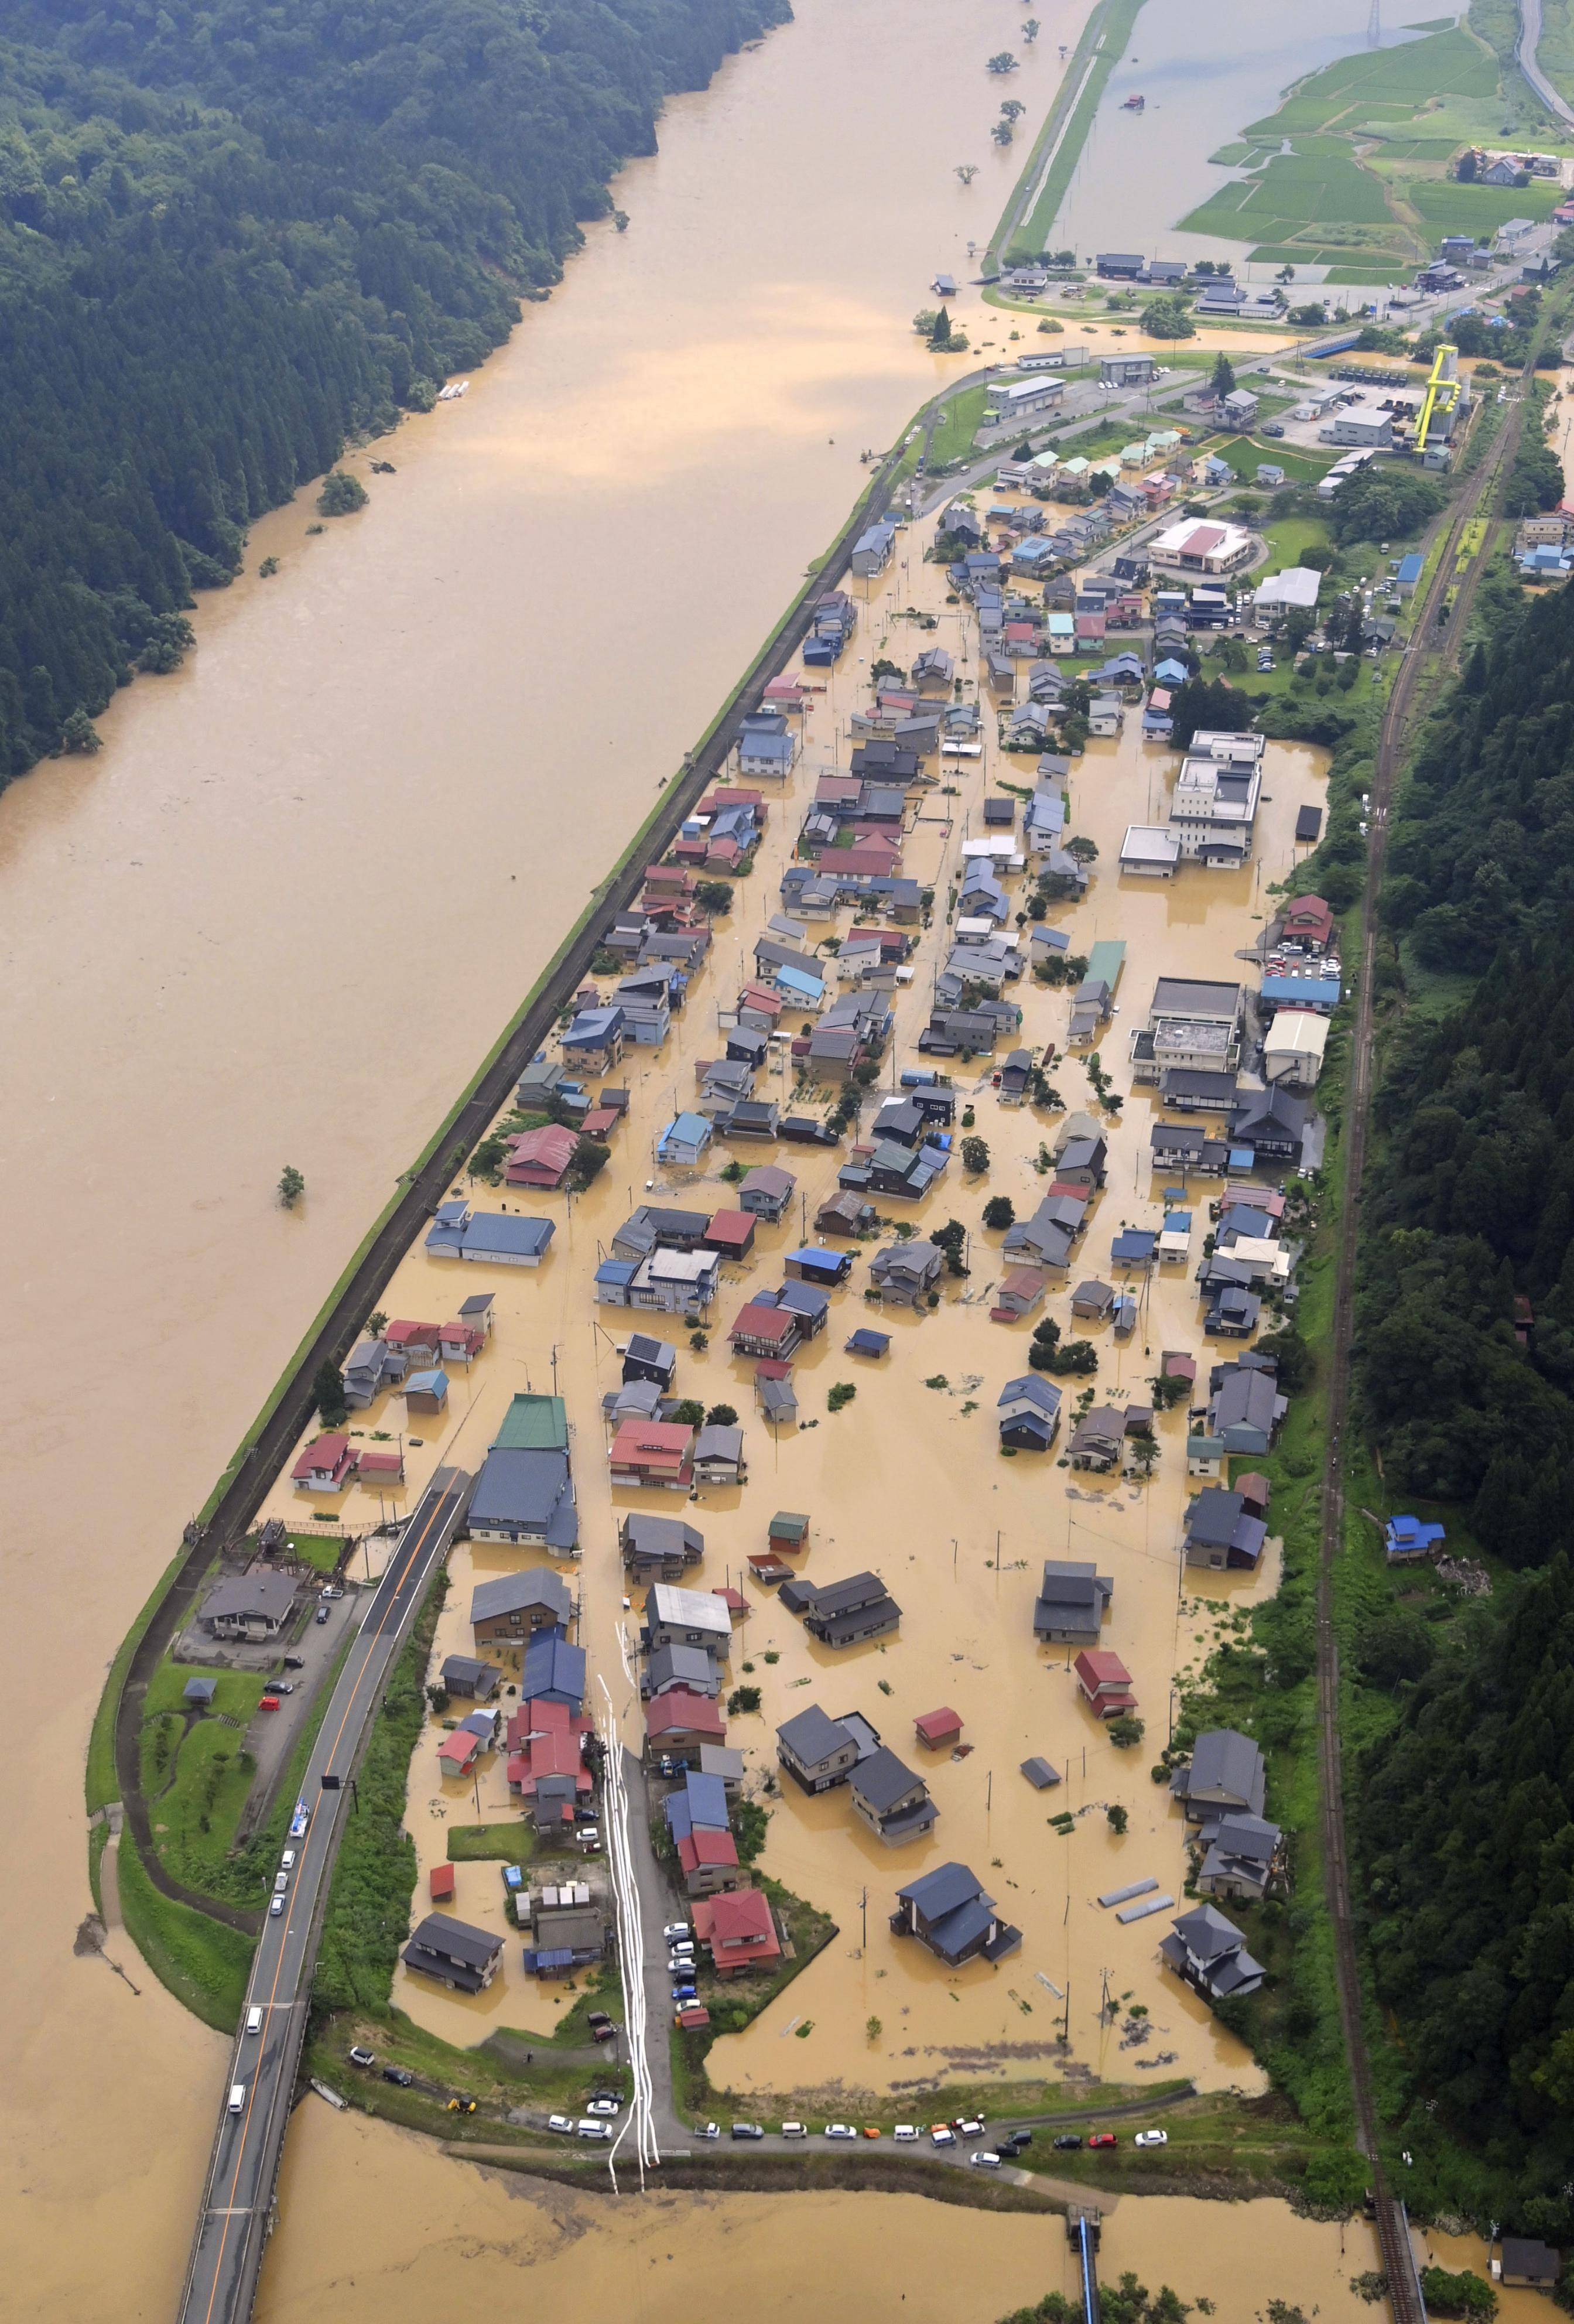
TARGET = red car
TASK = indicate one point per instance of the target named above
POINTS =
(1103, 2138)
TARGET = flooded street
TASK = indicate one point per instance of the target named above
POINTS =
(285, 912)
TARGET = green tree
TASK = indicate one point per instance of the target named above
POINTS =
(722, 1416)
(975, 1156)
(1000, 1211)
(1221, 379)
(328, 1393)
(1002, 61)
(742, 1701)
(341, 493)
(80, 734)
(1126, 1732)
(690, 1412)
(714, 896)
(292, 1186)
(1116, 1819)
(1168, 318)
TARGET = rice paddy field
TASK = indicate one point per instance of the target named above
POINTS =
(1353, 172)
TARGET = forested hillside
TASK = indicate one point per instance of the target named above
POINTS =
(232, 233)
(1466, 1375)
(1468, 1846)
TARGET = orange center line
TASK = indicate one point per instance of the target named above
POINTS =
(402, 1574)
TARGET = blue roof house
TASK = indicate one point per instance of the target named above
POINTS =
(595, 1039)
(1405, 1538)
(683, 1141)
(503, 1238)
(948, 1912)
(554, 1671)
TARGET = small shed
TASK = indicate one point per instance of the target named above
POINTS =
(768, 1569)
(1040, 1773)
(200, 1693)
(868, 1343)
(789, 1532)
(427, 1392)
(938, 1729)
(440, 1883)
(775, 1398)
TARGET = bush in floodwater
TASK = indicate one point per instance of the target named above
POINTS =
(342, 494)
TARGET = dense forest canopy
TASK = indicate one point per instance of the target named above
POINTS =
(232, 235)
(1467, 1831)
(1483, 841)
(1466, 1373)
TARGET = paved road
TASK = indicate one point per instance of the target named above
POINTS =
(237, 2198)
(1525, 50)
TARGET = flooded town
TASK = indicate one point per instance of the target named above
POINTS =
(702, 1727)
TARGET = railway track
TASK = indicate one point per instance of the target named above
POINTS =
(1426, 663)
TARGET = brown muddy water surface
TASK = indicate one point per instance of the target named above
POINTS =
(287, 909)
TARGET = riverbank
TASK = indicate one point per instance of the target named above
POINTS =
(377, 738)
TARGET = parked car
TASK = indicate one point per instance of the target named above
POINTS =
(322, 1613)
(280, 1883)
(269, 1702)
(709, 2130)
(401, 2075)
(1067, 2142)
(593, 2130)
(1152, 2139)
(276, 1907)
(905, 2130)
(1273, 427)
(747, 2130)
(607, 2033)
(283, 1686)
(676, 1929)
(943, 2135)
(684, 1993)
(985, 2160)
(593, 2017)
(359, 2057)
(794, 2130)
(840, 2130)
(604, 2106)
(680, 1965)
(969, 2125)
(287, 1860)
(562, 2123)
(1103, 2138)
(294, 1662)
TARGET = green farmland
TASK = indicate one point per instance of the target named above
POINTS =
(1353, 172)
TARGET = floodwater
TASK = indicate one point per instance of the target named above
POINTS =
(1140, 173)
(377, 2224)
(285, 911)
(908, 1479)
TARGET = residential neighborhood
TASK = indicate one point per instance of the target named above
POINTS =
(868, 1305)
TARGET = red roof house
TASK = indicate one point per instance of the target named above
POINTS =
(709, 1861)
(550, 1754)
(1310, 920)
(326, 1467)
(677, 1719)
(938, 1728)
(737, 1929)
(440, 1883)
(542, 1157)
(418, 1342)
(457, 1753)
(732, 1233)
(381, 1464)
(762, 1331)
(1105, 1681)
(653, 1452)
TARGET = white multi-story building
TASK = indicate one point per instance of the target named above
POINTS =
(1214, 809)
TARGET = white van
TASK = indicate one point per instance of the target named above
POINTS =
(280, 1882)
(237, 2097)
(593, 2129)
(253, 2021)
